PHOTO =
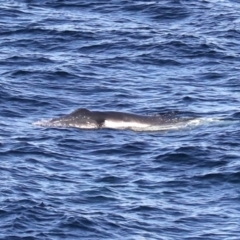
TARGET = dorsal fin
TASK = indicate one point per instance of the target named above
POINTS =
(80, 111)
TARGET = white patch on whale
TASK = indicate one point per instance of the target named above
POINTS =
(123, 124)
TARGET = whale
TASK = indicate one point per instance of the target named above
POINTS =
(85, 119)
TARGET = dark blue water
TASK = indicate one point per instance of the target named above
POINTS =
(144, 57)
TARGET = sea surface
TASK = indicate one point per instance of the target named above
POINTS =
(143, 57)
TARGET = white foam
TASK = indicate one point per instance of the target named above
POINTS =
(48, 123)
(41, 123)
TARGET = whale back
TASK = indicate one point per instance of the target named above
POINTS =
(85, 119)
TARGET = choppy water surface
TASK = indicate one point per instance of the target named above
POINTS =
(145, 57)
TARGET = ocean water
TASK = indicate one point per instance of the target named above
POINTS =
(144, 57)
